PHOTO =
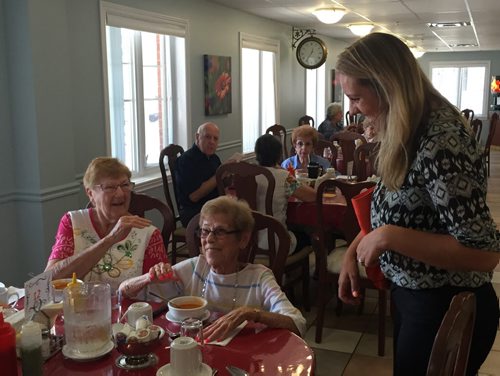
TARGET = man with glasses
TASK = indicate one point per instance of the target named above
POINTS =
(195, 172)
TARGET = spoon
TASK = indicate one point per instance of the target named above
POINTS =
(235, 371)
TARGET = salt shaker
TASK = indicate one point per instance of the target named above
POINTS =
(31, 349)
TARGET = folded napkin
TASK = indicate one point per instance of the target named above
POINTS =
(361, 204)
(231, 335)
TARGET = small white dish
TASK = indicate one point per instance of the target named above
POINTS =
(166, 370)
(172, 318)
(75, 355)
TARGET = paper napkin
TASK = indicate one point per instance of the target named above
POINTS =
(362, 204)
(231, 335)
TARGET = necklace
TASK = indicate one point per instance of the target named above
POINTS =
(235, 287)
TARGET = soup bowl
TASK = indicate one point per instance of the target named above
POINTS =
(184, 307)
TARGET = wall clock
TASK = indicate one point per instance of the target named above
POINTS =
(311, 52)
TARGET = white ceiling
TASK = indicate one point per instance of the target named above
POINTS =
(406, 18)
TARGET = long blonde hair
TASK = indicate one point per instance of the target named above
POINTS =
(386, 65)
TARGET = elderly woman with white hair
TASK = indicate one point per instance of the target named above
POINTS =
(333, 122)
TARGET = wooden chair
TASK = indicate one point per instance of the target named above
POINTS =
(242, 177)
(329, 264)
(306, 120)
(141, 203)
(468, 114)
(491, 132)
(279, 132)
(450, 352)
(245, 187)
(477, 127)
(349, 119)
(347, 143)
(320, 147)
(278, 240)
(171, 153)
(364, 160)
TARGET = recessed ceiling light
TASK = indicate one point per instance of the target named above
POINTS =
(449, 24)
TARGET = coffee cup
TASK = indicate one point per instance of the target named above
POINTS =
(313, 170)
(137, 310)
(5, 296)
(185, 357)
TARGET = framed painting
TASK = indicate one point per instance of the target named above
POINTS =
(217, 74)
(337, 93)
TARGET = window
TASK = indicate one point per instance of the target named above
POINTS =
(146, 84)
(464, 84)
(316, 93)
(259, 87)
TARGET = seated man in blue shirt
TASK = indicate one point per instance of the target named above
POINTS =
(195, 172)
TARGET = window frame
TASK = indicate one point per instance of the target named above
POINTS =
(468, 64)
(262, 44)
(320, 85)
(140, 20)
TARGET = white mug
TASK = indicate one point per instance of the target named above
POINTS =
(137, 310)
(185, 357)
(4, 296)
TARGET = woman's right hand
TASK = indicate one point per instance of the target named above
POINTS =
(161, 272)
(125, 224)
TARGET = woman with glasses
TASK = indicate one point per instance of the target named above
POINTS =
(241, 291)
(105, 242)
(304, 139)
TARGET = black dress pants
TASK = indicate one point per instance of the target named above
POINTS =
(417, 316)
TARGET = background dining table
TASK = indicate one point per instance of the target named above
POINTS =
(257, 349)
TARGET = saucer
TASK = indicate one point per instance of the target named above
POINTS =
(171, 318)
(165, 370)
(75, 355)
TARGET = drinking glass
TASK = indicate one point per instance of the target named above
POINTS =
(327, 153)
(116, 306)
(193, 328)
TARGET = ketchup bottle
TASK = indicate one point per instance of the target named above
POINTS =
(8, 359)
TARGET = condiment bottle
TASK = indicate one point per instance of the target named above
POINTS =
(8, 360)
(31, 349)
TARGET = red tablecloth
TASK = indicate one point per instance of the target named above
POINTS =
(269, 352)
(304, 214)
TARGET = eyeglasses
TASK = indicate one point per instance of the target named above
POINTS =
(217, 232)
(302, 144)
(125, 187)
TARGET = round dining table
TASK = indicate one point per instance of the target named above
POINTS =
(257, 349)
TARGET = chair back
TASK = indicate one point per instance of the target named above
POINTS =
(141, 203)
(277, 235)
(364, 160)
(320, 146)
(450, 351)
(477, 127)
(468, 114)
(347, 143)
(306, 120)
(242, 177)
(279, 132)
(348, 118)
(171, 152)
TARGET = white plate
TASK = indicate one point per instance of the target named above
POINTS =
(166, 371)
(75, 355)
(176, 320)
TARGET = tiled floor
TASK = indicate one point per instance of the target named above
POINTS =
(349, 345)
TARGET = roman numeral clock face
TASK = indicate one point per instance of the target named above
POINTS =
(311, 53)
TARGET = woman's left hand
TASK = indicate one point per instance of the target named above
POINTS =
(218, 330)
(372, 245)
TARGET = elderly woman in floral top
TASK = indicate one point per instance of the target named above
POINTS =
(433, 234)
(106, 243)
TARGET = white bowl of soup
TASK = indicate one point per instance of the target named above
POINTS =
(184, 307)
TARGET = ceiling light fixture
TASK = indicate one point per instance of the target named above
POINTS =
(329, 15)
(449, 24)
(418, 53)
(361, 29)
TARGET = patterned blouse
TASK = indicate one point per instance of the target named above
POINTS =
(444, 192)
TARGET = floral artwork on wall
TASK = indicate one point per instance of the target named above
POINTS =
(217, 84)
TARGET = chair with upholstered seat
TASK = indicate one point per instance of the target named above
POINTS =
(244, 185)
(450, 351)
(279, 132)
(364, 160)
(171, 153)
(329, 264)
(141, 203)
